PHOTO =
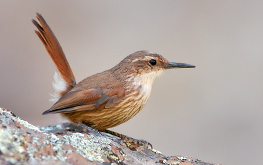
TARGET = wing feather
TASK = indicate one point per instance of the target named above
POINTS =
(90, 99)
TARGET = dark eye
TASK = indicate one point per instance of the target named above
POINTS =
(152, 62)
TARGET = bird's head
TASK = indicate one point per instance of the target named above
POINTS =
(148, 65)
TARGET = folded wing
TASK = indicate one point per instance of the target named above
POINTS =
(90, 99)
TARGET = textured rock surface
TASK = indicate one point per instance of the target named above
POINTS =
(23, 143)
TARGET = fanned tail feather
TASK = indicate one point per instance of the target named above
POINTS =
(65, 80)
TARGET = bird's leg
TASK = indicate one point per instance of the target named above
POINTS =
(128, 142)
(124, 140)
(72, 127)
(89, 129)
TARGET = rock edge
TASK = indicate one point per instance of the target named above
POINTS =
(22, 143)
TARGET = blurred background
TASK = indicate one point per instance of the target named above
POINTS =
(213, 112)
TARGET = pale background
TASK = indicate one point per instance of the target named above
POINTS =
(213, 112)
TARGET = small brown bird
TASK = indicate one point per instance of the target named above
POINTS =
(105, 99)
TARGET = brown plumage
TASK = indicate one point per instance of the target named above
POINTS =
(105, 99)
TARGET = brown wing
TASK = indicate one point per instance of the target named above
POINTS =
(54, 50)
(89, 99)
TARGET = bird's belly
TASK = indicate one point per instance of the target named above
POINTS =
(119, 114)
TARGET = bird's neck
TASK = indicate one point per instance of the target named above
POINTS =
(141, 82)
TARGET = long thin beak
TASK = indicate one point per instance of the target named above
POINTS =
(178, 65)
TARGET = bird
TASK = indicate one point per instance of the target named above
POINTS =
(106, 99)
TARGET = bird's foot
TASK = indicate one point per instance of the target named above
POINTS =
(126, 141)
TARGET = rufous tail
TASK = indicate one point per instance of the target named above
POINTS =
(56, 53)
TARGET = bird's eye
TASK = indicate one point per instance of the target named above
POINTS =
(152, 62)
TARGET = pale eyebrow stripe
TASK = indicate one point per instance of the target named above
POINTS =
(146, 58)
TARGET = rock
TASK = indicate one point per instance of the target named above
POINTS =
(22, 143)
